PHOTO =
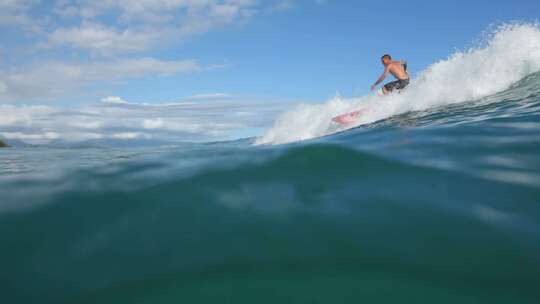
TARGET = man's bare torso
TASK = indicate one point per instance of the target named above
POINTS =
(397, 70)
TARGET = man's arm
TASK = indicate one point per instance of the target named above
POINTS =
(383, 76)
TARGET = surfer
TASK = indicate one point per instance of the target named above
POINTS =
(398, 69)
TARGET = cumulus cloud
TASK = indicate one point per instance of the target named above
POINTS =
(103, 40)
(84, 43)
(22, 116)
(215, 118)
(32, 138)
(141, 25)
(35, 81)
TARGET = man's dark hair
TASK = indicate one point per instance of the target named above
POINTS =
(386, 56)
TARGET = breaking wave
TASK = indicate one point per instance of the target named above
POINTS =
(511, 53)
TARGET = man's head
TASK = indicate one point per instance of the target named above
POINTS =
(386, 59)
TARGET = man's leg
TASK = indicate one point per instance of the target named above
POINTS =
(389, 87)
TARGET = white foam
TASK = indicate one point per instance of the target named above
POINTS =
(511, 53)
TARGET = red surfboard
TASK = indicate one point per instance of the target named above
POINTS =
(346, 119)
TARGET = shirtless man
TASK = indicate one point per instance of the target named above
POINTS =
(398, 69)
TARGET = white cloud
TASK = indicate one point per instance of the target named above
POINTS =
(30, 137)
(22, 116)
(143, 24)
(90, 125)
(83, 44)
(114, 100)
(36, 81)
(153, 123)
(130, 135)
(145, 10)
(103, 40)
(214, 118)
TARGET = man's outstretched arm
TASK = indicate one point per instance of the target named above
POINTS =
(383, 76)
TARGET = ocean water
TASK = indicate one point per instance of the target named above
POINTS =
(433, 196)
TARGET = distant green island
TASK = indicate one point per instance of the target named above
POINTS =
(3, 144)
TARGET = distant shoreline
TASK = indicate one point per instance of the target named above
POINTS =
(3, 144)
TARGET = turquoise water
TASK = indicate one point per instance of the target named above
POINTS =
(437, 206)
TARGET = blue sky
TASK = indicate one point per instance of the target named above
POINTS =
(73, 54)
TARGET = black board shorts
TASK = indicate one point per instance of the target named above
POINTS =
(396, 85)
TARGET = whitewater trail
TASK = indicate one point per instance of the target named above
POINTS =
(510, 54)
